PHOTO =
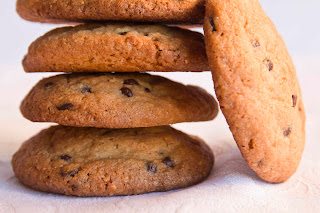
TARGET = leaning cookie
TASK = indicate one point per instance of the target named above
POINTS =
(105, 162)
(118, 48)
(116, 100)
(164, 11)
(256, 85)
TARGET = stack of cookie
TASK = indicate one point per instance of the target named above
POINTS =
(254, 77)
(113, 137)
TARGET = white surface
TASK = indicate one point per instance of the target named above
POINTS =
(231, 187)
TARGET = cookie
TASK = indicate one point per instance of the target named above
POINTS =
(117, 48)
(164, 11)
(105, 162)
(116, 100)
(256, 85)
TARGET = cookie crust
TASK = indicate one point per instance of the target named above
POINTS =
(257, 87)
(164, 11)
(106, 162)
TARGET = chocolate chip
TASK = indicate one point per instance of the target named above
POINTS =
(256, 44)
(152, 167)
(73, 173)
(167, 161)
(160, 50)
(65, 106)
(123, 33)
(130, 82)
(126, 91)
(269, 64)
(74, 187)
(287, 132)
(85, 89)
(147, 89)
(294, 100)
(212, 25)
(66, 158)
(48, 84)
(70, 173)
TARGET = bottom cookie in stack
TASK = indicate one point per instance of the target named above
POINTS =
(133, 158)
(103, 162)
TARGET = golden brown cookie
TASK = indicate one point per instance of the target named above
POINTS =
(116, 100)
(164, 11)
(256, 85)
(105, 162)
(117, 48)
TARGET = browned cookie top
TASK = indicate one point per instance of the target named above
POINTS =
(116, 100)
(104, 162)
(118, 47)
(256, 85)
(164, 11)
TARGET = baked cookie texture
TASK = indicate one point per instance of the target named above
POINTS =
(116, 47)
(105, 162)
(164, 11)
(256, 85)
(116, 100)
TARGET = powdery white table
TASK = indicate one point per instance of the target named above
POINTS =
(231, 187)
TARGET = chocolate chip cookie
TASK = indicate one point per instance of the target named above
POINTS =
(256, 85)
(105, 162)
(117, 48)
(165, 11)
(116, 100)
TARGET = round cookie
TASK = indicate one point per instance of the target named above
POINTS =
(256, 85)
(164, 11)
(105, 162)
(117, 48)
(116, 100)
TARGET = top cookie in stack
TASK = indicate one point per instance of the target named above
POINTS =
(157, 11)
(98, 161)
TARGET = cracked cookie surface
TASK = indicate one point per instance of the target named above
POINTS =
(116, 100)
(164, 11)
(117, 48)
(256, 85)
(105, 162)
